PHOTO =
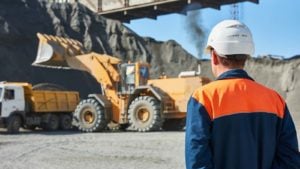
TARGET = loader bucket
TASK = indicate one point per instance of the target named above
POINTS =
(54, 51)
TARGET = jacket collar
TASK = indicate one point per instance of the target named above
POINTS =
(234, 73)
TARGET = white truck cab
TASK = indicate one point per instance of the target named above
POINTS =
(12, 106)
(11, 99)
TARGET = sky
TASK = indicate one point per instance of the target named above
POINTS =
(275, 26)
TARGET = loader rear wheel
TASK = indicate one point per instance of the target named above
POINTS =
(173, 124)
(65, 122)
(145, 114)
(14, 124)
(50, 122)
(90, 115)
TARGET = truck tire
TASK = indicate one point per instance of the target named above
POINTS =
(50, 122)
(145, 114)
(90, 116)
(48, 86)
(173, 124)
(14, 123)
(65, 122)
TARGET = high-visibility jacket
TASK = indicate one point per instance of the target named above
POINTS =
(236, 123)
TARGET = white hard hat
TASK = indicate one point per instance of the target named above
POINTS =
(231, 37)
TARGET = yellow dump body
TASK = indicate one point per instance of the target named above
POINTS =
(54, 101)
(48, 101)
(176, 92)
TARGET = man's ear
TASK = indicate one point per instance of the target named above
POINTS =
(214, 58)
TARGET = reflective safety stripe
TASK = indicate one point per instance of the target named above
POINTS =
(234, 96)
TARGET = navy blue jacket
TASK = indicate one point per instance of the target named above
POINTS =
(236, 123)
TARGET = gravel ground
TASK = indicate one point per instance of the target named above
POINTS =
(74, 150)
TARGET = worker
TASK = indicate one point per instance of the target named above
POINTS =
(235, 122)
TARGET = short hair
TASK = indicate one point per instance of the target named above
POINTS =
(234, 61)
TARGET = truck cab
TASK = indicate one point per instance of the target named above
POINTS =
(12, 106)
(11, 99)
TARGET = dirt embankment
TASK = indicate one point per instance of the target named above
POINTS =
(282, 76)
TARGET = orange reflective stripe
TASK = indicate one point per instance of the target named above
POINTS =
(201, 97)
(227, 97)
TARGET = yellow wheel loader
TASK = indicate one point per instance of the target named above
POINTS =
(129, 96)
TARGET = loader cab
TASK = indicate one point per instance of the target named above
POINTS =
(11, 99)
(133, 75)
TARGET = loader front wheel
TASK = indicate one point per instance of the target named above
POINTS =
(90, 116)
(145, 114)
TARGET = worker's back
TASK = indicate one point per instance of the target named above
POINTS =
(248, 125)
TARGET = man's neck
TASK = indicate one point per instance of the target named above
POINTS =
(222, 70)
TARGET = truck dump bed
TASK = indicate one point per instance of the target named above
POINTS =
(54, 101)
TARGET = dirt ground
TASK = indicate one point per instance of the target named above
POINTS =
(75, 150)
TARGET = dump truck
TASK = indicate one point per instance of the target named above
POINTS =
(130, 98)
(21, 105)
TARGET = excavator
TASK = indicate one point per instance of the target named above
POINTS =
(129, 98)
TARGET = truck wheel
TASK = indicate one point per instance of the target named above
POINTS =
(65, 122)
(174, 124)
(14, 124)
(145, 114)
(50, 122)
(90, 116)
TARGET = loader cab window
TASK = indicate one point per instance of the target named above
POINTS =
(144, 72)
(144, 75)
(127, 72)
(9, 94)
(130, 78)
(130, 74)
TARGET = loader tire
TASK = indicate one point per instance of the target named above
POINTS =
(144, 114)
(50, 122)
(65, 122)
(90, 116)
(174, 125)
(14, 123)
